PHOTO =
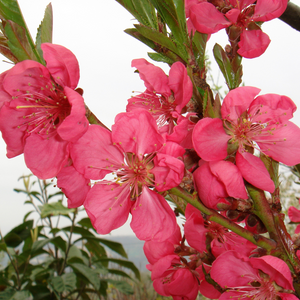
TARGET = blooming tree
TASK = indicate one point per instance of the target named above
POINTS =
(216, 162)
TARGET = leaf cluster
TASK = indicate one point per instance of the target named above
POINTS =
(47, 261)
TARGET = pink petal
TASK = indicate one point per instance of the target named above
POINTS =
(182, 132)
(254, 171)
(282, 144)
(73, 185)
(181, 85)
(45, 157)
(294, 214)
(26, 77)
(154, 77)
(108, 206)
(210, 139)
(129, 130)
(152, 217)
(76, 124)
(227, 173)
(94, 154)
(266, 10)
(156, 250)
(206, 18)
(194, 230)
(253, 43)
(209, 188)
(276, 268)
(237, 101)
(168, 169)
(62, 64)
(233, 15)
(225, 275)
(272, 108)
(13, 136)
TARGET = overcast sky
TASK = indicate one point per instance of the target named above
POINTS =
(93, 31)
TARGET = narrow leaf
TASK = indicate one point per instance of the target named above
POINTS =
(54, 209)
(90, 274)
(124, 263)
(45, 30)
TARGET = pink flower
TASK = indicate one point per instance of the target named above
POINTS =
(135, 154)
(266, 277)
(43, 114)
(217, 180)
(205, 235)
(165, 96)
(172, 273)
(294, 215)
(241, 16)
(250, 122)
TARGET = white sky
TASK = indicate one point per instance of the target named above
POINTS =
(93, 31)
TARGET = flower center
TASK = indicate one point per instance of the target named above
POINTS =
(135, 173)
(44, 108)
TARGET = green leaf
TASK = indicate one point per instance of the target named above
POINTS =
(86, 222)
(124, 263)
(158, 37)
(18, 234)
(11, 294)
(4, 49)
(90, 274)
(64, 283)
(60, 243)
(79, 230)
(199, 42)
(119, 273)
(160, 58)
(115, 246)
(18, 42)
(10, 10)
(54, 209)
(231, 70)
(143, 11)
(95, 248)
(45, 30)
(122, 286)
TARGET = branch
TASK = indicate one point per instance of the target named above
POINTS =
(291, 16)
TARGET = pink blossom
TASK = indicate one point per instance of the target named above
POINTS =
(240, 16)
(43, 114)
(173, 273)
(203, 235)
(217, 180)
(139, 163)
(294, 215)
(165, 96)
(250, 122)
(266, 277)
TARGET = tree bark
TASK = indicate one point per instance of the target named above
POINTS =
(291, 16)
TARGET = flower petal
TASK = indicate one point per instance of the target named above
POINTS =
(206, 18)
(62, 64)
(152, 217)
(283, 144)
(266, 10)
(210, 139)
(129, 130)
(181, 85)
(93, 153)
(154, 77)
(45, 157)
(73, 185)
(107, 206)
(253, 43)
(237, 101)
(76, 124)
(254, 171)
